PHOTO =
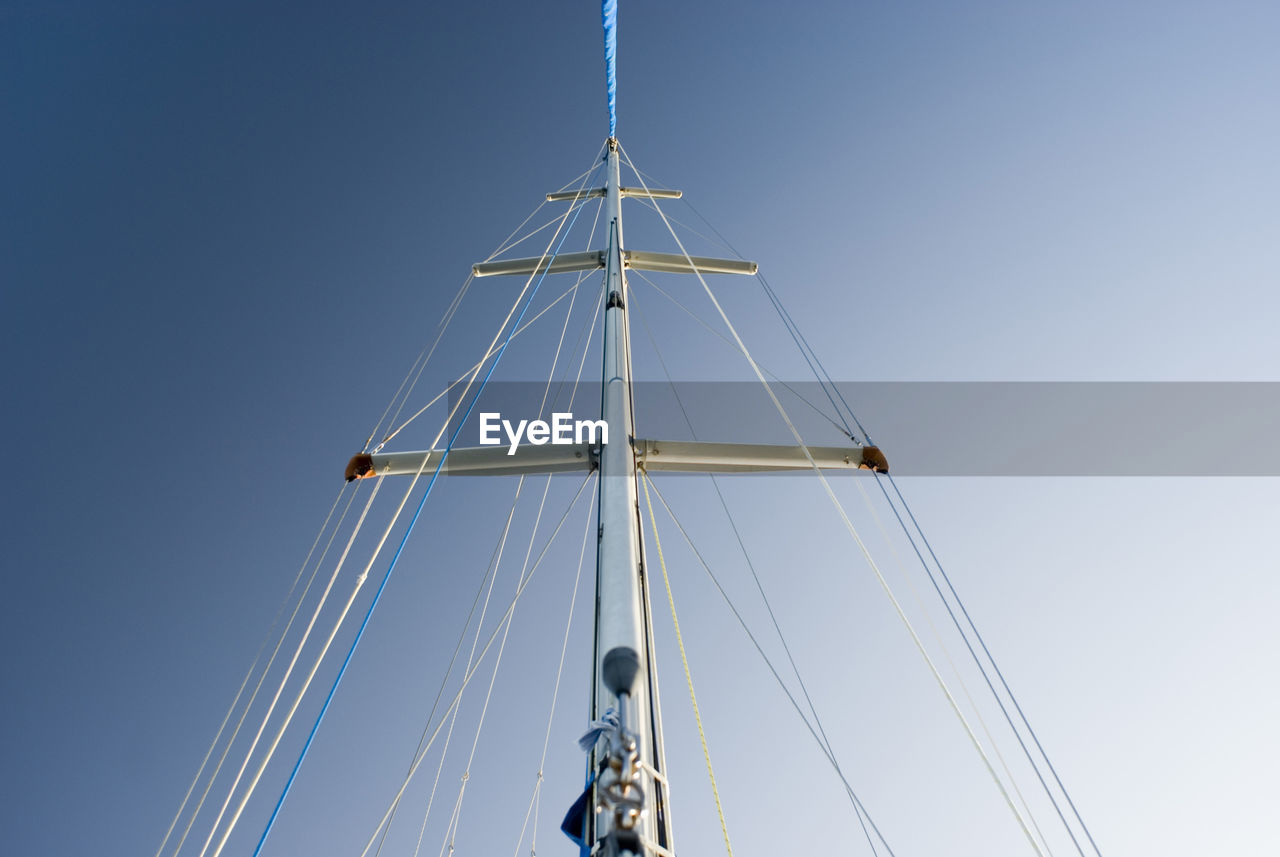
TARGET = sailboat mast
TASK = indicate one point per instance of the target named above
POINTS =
(624, 808)
(628, 795)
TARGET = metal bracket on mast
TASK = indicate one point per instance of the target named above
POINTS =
(620, 786)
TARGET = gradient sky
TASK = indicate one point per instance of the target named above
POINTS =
(229, 228)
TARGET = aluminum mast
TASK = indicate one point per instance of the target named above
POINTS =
(629, 787)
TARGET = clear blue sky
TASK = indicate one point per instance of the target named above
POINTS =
(227, 229)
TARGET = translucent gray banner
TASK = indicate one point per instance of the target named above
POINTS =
(954, 428)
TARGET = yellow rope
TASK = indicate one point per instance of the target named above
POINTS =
(688, 677)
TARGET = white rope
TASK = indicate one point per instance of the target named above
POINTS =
(495, 563)
(648, 203)
(457, 301)
(377, 550)
(490, 568)
(519, 330)
(284, 680)
(490, 577)
(359, 583)
(452, 827)
(826, 752)
(266, 670)
(724, 339)
(580, 177)
(579, 203)
(846, 432)
(570, 292)
(585, 341)
(884, 584)
(449, 313)
(364, 575)
(555, 360)
(715, 483)
(936, 632)
(471, 674)
(507, 243)
(420, 364)
(535, 800)
(245, 683)
(546, 391)
(306, 684)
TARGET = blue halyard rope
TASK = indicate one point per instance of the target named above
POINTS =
(414, 520)
(609, 17)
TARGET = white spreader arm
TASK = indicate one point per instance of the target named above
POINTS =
(654, 456)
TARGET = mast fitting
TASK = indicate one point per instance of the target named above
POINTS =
(619, 668)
